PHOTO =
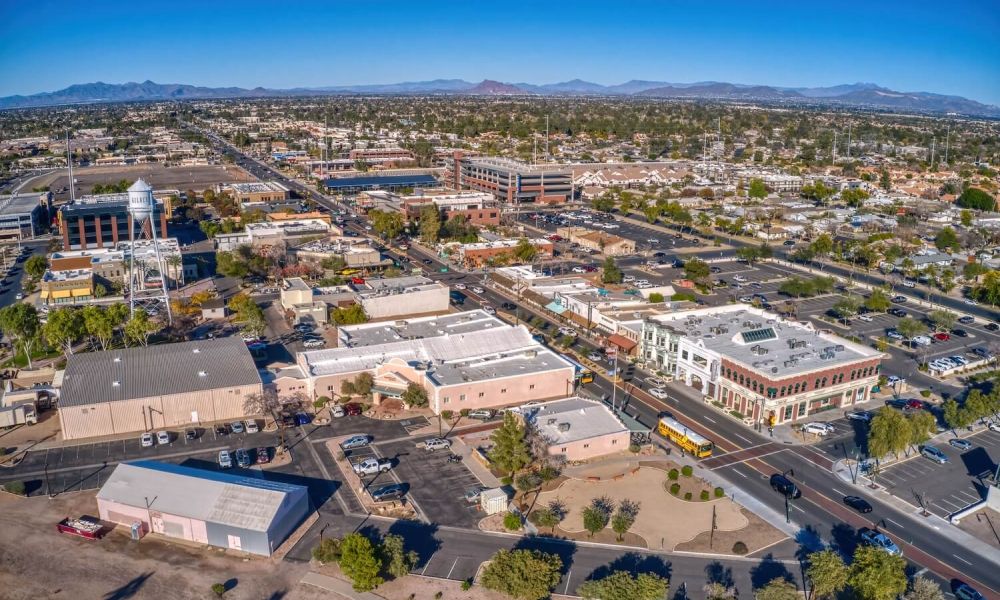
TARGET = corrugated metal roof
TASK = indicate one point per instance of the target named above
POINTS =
(124, 374)
(403, 180)
(209, 496)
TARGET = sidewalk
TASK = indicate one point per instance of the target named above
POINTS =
(972, 543)
(337, 586)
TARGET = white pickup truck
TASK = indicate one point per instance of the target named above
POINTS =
(371, 466)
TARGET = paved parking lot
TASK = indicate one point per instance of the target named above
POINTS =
(436, 486)
(945, 489)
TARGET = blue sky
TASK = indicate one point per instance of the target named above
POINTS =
(945, 47)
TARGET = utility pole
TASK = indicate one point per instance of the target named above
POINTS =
(711, 534)
(947, 140)
(546, 138)
(69, 163)
(849, 141)
(933, 148)
(834, 146)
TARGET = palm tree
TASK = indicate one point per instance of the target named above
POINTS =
(175, 261)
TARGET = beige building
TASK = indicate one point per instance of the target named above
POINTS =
(148, 388)
(260, 192)
(606, 243)
(578, 428)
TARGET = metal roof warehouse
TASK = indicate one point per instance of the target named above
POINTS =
(388, 182)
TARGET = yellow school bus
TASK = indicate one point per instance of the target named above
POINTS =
(690, 441)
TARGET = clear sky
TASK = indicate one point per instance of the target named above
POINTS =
(950, 47)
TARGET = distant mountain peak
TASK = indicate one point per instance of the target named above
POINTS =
(491, 87)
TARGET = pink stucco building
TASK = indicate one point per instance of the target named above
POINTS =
(578, 428)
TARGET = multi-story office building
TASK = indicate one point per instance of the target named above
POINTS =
(101, 221)
(513, 182)
(753, 362)
(22, 216)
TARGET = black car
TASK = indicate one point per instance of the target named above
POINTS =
(897, 312)
(191, 434)
(966, 320)
(661, 254)
(427, 261)
(857, 503)
(508, 306)
(780, 483)
(393, 491)
(992, 327)
(959, 333)
(222, 429)
(896, 403)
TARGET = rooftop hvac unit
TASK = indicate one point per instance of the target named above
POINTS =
(551, 421)
(530, 353)
(791, 363)
(774, 369)
(839, 348)
(791, 343)
(564, 427)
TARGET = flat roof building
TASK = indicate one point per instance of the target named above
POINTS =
(154, 387)
(24, 216)
(513, 182)
(577, 428)
(103, 220)
(219, 509)
(257, 192)
(353, 185)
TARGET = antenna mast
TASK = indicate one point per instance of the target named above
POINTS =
(69, 163)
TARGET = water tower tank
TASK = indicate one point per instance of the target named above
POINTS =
(140, 201)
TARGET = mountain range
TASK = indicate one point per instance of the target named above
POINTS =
(854, 95)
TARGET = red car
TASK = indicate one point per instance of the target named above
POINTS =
(352, 409)
(358, 280)
(941, 336)
(263, 456)
(912, 404)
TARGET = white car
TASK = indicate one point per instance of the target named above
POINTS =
(146, 440)
(567, 331)
(337, 411)
(922, 340)
(659, 393)
(655, 381)
(909, 283)
(478, 290)
(489, 309)
(313, 343)
(818, 428)
(971, 302)
(162, 437)
(437, 444)
(460, 286)
(19, 296)
(225, 459)
(579, 270)
(865, 318)
(251, 426)
(628, 278)
(994, 426)
(653, 241)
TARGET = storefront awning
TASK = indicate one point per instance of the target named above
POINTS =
(60, 294)
(81, 292)
(556, 307)
(622, 342)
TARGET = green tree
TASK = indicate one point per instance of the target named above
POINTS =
(922, 588)
(230, 265)
(36, 266)
(988, 290)
(966, 218)
(757, 189)
(20, 323)
(750, 254)
(977, 199)
(510, 452)
(822, 246)
(327, 551)
(386, 224)
(544, 517)
(778, 588)
(396, 560)
(885, 180)
(249, 314)
(522, 574)
(922, 427)
(595, 518)
(525, 251)
(943, 320)
(954, 416)
(878, 301)
(889, 432)
(349, 315)
(624, 517)
(656, 297)
(99, 324)
(846, 307)
(910, 327)
(430, 223)
(64, 328)
(827, 574)
(610, 272)
(415, 395)
(360, 561)
(604, 204)
(877, 575)
(139, 328)
(622, 585)
(947, 239)
(696, 270)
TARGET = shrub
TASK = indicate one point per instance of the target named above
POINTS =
(15, 487)
(511, 521)
(319, 403)
(719, 492)
(736, 414)
(925, 393)
(675, 488)
(740, 548)
(673, 475)
(527, 481)
(548, 473)
(682, 296)
(447, 414)
(218, 589)
(438, 595)
(506, 480)
(328, 551)
(634, 448)
(687, 496)
(687, 470)
(704, 495)
(464, 412)
(466, 585)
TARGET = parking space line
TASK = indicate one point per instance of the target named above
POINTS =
(569, 576)
(452, 568)
(428, 563)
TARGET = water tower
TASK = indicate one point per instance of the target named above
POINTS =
(147, 279)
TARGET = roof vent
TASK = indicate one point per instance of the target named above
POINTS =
(197, 351)
(117, 359)
(564, 427)
(116, 383)
(202, 374)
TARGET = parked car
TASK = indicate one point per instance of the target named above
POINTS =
(897, 312)
(483, 414)
(966, 320)
(302, 418)
(879, 540)
(372, 466)
(818, 428)
(243, 459)
(866, 318)
(251, 426)
(225, 460)
(236, 427)
(472, 494)
(658, 393)
(934, 454)
(960, 333)
(965, 591)
(314, 343)
(941, 336)
(337, 411)
(146, 440)
(860, 415)
(858, 503)
(478, 290)
(263, 456)
(353, 409)
(162, 437)
(221, 429)
(489, 309)
(393, 491)
(437, 444)
(784, 485)
(356, 441)
(899, 299)
(508, 306)
(460, 286)
(961, 444)
(992, 327)
(190, 434)
(595, 356)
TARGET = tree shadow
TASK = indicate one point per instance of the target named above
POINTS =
(419, 537)
(278, 595)
(767, 570)
(130, 589)
(230, 583)
(716, 572)
(844, 539)
(561, 548)
(809, 541)
(634, 563)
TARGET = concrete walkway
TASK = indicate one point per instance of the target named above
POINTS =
(337, 586)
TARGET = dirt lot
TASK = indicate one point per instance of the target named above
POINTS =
(38, 562)
(158, 176)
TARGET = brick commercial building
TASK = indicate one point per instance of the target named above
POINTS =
(261, 192)
(482, 253)
(148, 388)
(753, 362)
(478, 208)
(102, 221)
(512, 182)
(606, 243)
